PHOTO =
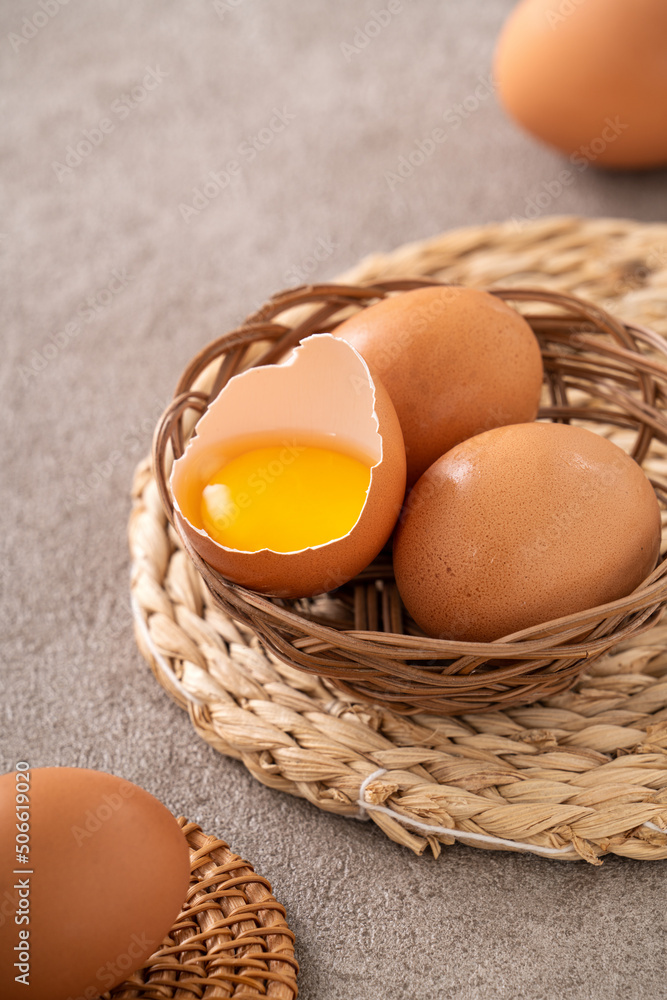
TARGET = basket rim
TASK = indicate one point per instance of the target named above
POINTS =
(519, 645)
(523, 644)
(389, 666)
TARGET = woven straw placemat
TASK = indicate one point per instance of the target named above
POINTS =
(230, 939)
(579, 775)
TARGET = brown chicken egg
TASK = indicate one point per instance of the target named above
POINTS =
(93, 873)
(522, 525)
(455, 362)
(589, 77)
(296, 475)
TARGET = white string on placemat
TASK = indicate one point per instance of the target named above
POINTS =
(169, 675)
(462, 835)
(654, 826)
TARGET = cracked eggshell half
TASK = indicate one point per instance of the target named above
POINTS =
(323, 393)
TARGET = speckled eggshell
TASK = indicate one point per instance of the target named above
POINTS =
(108, 874)
(522, 525)
(455, 362)
(324, 387)
(590, 78)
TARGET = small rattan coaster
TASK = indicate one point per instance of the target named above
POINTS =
(230, 940)
(579, 774)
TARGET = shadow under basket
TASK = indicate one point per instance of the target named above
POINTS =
(599, 373)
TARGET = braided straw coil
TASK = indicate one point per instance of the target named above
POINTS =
(230, 940)
(581, 773)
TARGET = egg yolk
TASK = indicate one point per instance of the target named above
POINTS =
(284, 498)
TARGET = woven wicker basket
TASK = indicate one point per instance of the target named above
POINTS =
(230, 939)
(599, 372)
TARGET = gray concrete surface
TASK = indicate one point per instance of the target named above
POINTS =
(371, 919)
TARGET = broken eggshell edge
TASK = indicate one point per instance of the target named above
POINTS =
(323, 389)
